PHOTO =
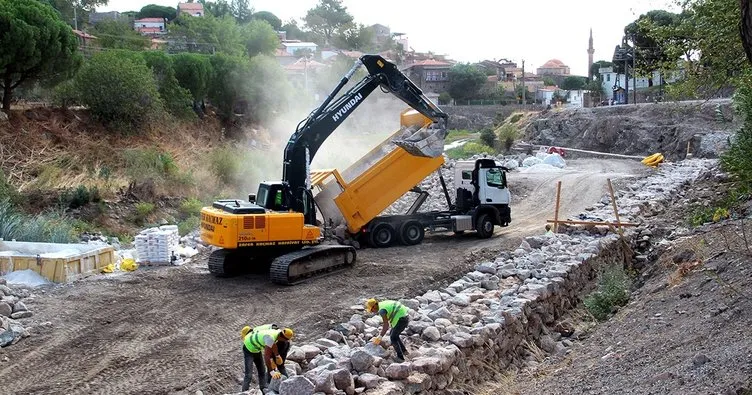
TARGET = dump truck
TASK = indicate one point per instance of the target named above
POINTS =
(356, 197)
(279, 226)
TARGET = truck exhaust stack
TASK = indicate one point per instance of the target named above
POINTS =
(427, 142)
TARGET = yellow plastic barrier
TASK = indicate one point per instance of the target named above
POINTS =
(128, 265)
(653, 160)
(109, 268)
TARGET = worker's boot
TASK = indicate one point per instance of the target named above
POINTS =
(427, 141)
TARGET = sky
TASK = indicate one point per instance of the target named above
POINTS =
(475, 30)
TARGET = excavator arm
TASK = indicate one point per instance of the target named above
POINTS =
(314, 130)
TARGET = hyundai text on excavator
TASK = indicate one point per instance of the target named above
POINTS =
(279, 223)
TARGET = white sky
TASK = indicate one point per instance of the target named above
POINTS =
(474, 30)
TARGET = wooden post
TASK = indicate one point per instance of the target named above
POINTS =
(556, 210)
(616, 210)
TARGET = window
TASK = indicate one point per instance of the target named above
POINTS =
(608, 77)
(467, 174)
(436, 75)
(494, 178)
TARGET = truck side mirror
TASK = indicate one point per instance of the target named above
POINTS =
(252, 197)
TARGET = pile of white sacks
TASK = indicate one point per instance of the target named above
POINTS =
(484, 318)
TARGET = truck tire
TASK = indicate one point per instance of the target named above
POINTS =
(383, 235)
(484, 226)
(411, 233)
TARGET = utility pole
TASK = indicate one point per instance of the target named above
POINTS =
(626, 74)
(634, 75)
(75, 16)
(524, 91)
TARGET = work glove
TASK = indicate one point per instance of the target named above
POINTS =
(273, 365)
(276, 374)
(279, 360)
(377, 340)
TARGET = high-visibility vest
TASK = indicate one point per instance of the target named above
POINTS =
(254, 341)
(263, 327)
(394, 311)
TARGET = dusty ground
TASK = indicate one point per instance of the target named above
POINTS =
(176, 329)
(682, 333)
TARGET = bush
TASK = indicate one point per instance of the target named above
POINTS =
(613, 291)
(177, 100)
(119, 89)
(515, 117)
(508, 134)
(445, 98)
(188, 225)
(80, 196)
(737, 160)
(488, 137)
(7, 191)
(225, 165)
(191, 207)
(229, 83)
(142, 212)
(468, 150)
(193, 72)
(150, 163)
(49, 227)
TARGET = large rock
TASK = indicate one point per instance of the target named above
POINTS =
(21, 314)
(398, 371)
(297, 354)
(297, 385)
(361, 360)
(343, 380)
(417, 383)
(5, 309)
(376, 350)
(4, 290)
(368, 380)
(310, 351)
(19, 306)
(431, 334)
(323, 380)
(428, 365)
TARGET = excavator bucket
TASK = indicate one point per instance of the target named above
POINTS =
(427, 141)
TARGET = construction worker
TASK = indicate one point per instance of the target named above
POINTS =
(265, 346)
(393, 314)
(549, 232)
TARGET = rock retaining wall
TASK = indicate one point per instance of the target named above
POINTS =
(488, 319)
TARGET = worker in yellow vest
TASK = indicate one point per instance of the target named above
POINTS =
(393, 314)
(265, 346)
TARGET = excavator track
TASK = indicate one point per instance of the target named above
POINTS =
(219, 263)
(296, 267)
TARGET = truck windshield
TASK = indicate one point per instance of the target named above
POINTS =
(494, 178)
(261, 195)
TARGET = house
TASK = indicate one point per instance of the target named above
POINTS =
(149, 26)
(291, 46)
(192, 9)
(96, 17)
(283, 57)
(545, 94)
(381, 33)
(612, 80)
(553, 67)
(576, 99)
(84, 39)
(429, 75)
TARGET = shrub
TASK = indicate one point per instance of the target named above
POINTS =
(488, 137)
(468, 150)
(508, 134)
(79, 197)
(193, 72)
(142, 212)
(445, 98)
(191, 207)
(50, 227)
(225, 165)
(188, 225)
(515, 117)
(177, 100)
(737, 160)
(150, 163)
(119, 89)
(7, 191)
(613, 291)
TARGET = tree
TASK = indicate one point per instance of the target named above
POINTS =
(218, 9)
(119, 88)
(465, 80)
(275, 22)
(35, 44)
(327, 18)
(206, 35)
(355, 37)
(573, 83)
(651, 50)
(119, 34)
(82, 10)
(488, 137)
(293, 31)
(229, 83)
(596, 89)
(177, 100)
(269, 91)
(594, 69)
(241, 10)
(259, 38)
(157, 11)
(193, 72)
(548, 81)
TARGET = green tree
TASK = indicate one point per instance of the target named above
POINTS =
(488, 137)
(119, 34)
(327, 18)
(573, 83)
(293, 31)
(241, 10)
(269, 91)
(177, 100)
(193, 72)
(355, 37)
(596, 89)
(218, 9)
(157, 11)
(548, 81)
(445, 98)
(275, 22)
(259, 37)
(119, 88)
(229, 83)
(465, 80)
(35, 45)
(206, 35)
(597, 66)
(651, 50)
(83, 9)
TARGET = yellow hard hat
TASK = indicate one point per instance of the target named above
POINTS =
(371, 303)
(245, 331)
(287, 333)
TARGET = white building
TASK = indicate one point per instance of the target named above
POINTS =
(292, 46)
(576, 99)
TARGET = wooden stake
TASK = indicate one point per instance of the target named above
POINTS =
(556, 210)
(688, 141)
(616, 210)
(591, 223)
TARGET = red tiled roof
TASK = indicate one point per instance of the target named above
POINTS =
(191, 6)
(149, 20)
(430, 62)
(493, 78)
(553, 63)
(83, 34)
(300, 64)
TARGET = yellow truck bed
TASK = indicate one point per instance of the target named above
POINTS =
(374, 182)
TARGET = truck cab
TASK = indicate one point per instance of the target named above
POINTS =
(483, 197)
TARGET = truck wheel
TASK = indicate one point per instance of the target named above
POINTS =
(411, 233)
(484, 226)
(382, 235)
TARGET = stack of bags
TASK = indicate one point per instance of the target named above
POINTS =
(157, 245)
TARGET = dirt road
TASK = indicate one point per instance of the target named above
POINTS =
(176, 329)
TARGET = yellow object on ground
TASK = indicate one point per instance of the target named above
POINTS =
(109, 268)
(128, 265)
(653, 160)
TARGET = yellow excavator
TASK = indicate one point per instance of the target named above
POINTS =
(278, 224)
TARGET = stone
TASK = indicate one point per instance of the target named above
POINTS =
(442, 312)
(325, 343)
(460, 300)
(429, 365)
(19, 306)
(368, 380)
(297, 354)
(5, 309)
(298, 385)
(323, 380)
(417, 382)
(443, 322)
(412, 304)
(418, 327)
(310, 351)
(388, 388)
(336, 336)
(700, 359)
(345, 329)
(398, 371)
(486, 267)
(339, 352)
(4, 290)
(431, 334)
(3, 281)
(490, 285)
(275, 383)
(343, 380)
(361, 360)
(461, 339)
(21, 314)
(375, 350)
